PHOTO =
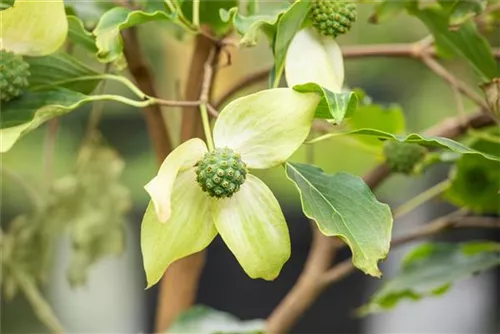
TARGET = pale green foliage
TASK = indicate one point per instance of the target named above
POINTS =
(334, 106)
(476, 180)
(431, 269)
(204, 320)
(427, 141)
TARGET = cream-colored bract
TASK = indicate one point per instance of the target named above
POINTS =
(253, 227)
(266, 127)
(314, 58)
(189, 230)
(33, 28)
(161, 186)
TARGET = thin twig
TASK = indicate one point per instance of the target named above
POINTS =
(175, 103)
(421, 198)
(463, 88)
(398, 50)
(247, 81)
(212, 111)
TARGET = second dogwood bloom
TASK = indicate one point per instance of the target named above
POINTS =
(197, 195)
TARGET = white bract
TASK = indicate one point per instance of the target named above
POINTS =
(33, 28)
(265, 129)
(314, 58)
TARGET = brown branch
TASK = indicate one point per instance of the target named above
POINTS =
(140, 71)
(295, 301)
(463, 88)
(305, 295)
(243, 83)
(397, 50)
(437, 226)
(179, 285)
(191, 119)
(403, 50)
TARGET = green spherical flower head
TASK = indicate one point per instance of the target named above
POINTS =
(221, 172)
(14, 75)
(332, 17)
(403, 157)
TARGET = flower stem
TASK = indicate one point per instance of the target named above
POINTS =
(196, 13)
(421, 198)
(119, 98)
(206, 126)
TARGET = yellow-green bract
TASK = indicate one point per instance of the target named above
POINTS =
(314, 58)
(265, 129)
(33, 28)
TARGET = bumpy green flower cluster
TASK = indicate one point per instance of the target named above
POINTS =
(332, 17)
(14, 73)
(403, 157)
(221, 172)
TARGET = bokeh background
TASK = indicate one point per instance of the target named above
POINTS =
(114, 299)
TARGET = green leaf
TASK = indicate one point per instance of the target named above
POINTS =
(431, 269)
(342, 205)
(389, 119)
(209, 14)
(332, 105)
(60, 70)
(108, 30)
(428, 141)
(4, 4)
(32, 109)
(250, 26)
(79, 35)
(476, 181)
(465, 41)
(386, 10)
(26, 113)
(289, 23)
(462, 11)
(204, 320)
(88, 11)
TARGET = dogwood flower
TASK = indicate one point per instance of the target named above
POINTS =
(33, 28)
(312, 57)
(198, 194)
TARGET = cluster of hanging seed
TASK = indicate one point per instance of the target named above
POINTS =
(14, 73)
(332, 17)
(221, 172)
